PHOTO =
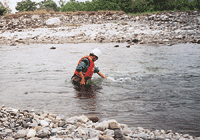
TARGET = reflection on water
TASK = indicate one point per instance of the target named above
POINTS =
(151, 87)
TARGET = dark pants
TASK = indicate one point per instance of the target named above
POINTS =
(76, 81)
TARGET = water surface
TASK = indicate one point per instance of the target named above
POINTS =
(154, 87)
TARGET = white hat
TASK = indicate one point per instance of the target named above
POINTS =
(96, 52)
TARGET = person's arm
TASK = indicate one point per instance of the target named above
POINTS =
(80, 68)
(82, 78)
(100, 74)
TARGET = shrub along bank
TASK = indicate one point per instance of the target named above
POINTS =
(128, 6)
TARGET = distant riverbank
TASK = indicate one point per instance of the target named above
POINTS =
(166, 28)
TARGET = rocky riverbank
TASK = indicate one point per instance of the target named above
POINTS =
(166, 28)
(31, 125)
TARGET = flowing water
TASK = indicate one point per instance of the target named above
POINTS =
(155, 87)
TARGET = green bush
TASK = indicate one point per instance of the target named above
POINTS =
(48, 4)
(27, 5)
(3, 10)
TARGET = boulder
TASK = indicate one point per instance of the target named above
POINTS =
(53, 22)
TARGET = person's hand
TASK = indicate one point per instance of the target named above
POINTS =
(106, 78)
(82, 81)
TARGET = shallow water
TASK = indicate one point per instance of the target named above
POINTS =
(150, 86)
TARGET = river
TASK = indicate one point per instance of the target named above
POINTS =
(155, 87)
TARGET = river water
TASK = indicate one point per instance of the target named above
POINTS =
(155, 87)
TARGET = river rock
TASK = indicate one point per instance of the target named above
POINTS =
(102, 126)
(44, 123)
(8, 131)
(53, 22)
(118, 134)
(20, 134)
(9, 138)
(31, 133)
(112, 124)
(43, 133)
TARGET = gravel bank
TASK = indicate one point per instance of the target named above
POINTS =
(31, 125)
(166, 28)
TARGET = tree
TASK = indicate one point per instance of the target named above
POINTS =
(48, 4)
(26, 5)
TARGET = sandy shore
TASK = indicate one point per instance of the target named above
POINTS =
(166, 28)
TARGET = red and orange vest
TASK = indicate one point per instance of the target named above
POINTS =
(90, 69)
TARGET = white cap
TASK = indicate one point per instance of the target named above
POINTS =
(96, 52)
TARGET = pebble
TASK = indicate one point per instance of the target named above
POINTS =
(47, 126)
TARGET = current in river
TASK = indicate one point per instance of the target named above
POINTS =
(155, 87)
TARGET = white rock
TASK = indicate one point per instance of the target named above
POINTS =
(20, 134)
(8, 131)
(53, 21)
(31, 133)
(91, 133)
(109, 132)
(81, 131)
(72, 120)
(83, 118)
(101, 126)
(44, 123)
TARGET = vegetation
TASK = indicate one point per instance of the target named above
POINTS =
(49, 5)
(27, 5)
(128, 6)
(4, 8)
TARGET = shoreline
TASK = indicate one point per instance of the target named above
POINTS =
(25, 124)
(167, 28)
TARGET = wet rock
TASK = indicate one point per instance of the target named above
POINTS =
(53, 48)
(135, 40)
(93, 118)
(116, 46)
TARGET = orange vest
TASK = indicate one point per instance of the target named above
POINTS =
(90, 69)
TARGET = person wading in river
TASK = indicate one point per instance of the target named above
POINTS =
(86, 68)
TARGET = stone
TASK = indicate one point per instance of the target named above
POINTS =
(43, 133)
(31, 133)
(53, 22)
(61, 123)
(83, 118)
(9, 138)
(112, 124)
(93, 118)
(109, 132)
(118, 134)
(53, 47)
(44, 123)
(8, 131)
(101, 126)
(105, 137)
(20, 134)
(116, 46)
